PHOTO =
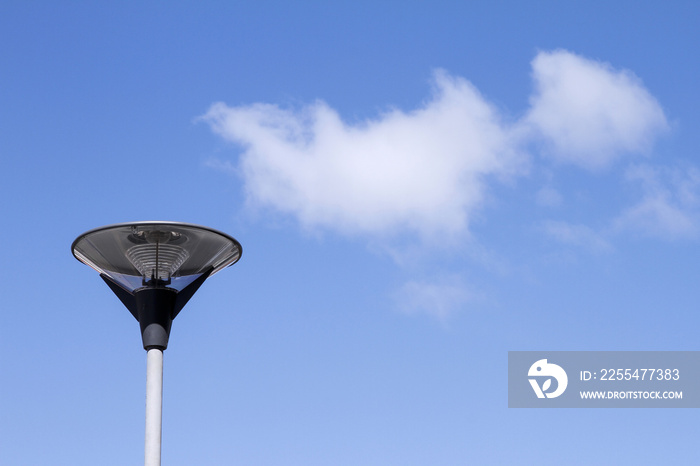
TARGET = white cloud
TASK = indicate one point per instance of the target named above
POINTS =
(589, 114)
(422, 171)
(670, 204)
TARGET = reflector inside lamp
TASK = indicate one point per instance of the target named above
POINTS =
(157, 262)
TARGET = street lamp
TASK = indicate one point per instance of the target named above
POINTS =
(154, 268)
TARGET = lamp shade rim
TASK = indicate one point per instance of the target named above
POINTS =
(156, 223)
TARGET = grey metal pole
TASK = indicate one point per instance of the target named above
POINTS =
(154, 405)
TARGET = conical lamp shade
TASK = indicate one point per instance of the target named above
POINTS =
(156, 254)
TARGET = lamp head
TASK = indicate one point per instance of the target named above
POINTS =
(155, 267)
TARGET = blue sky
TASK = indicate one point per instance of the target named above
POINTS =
(419, 188)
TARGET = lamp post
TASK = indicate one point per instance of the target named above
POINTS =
(154, 268)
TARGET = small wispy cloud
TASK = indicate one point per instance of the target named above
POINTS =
(440, 299)
(549, 197)
(670, 203)
(576, 235)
